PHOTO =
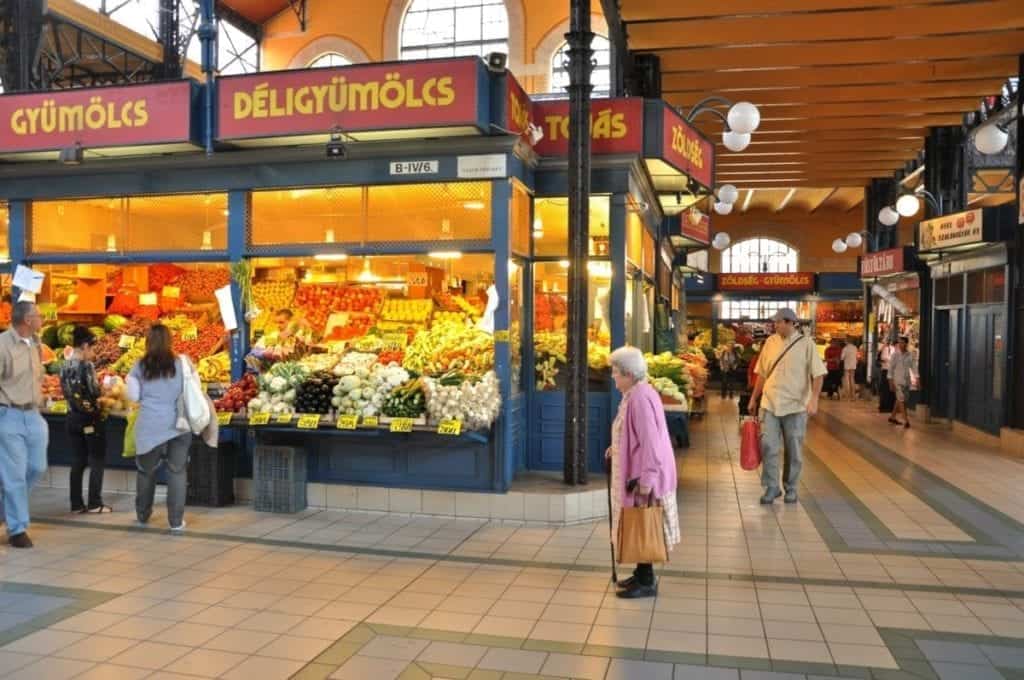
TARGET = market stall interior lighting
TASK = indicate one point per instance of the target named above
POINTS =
(329, 236)
(367, 275)
(445, 255)
(331, 257)
(474, 205)
(991, 139)
(207, 241)
(111, 243)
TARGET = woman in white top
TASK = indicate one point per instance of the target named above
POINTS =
(849, 360)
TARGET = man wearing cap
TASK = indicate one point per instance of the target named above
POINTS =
(789, 377)
(23, 432)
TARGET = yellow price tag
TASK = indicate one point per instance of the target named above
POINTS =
(189, 333)
(284, 419)
(371, 421)
(348, 422)
(147, 299)
(171, 292)
(401, 425)
(395, 341)
(501, 336)
(126, 342)
(259, 418)
(224, 418)
(59, 407)
(308, 422)
(450, 427)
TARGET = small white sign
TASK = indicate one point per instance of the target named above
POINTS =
(415, 167)
(28, 279)
(483, 167)
(227, 307)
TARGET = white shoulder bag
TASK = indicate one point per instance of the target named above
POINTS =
(194, 406)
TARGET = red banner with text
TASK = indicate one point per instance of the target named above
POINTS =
(616, 126)
(882, 263)
(796, 281)
(356, 98)
(686, 150)
(100, 117)
(696, 225)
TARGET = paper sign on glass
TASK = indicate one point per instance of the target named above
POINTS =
(227, 308)
(28, 279)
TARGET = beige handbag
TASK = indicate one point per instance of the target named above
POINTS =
(642, 535)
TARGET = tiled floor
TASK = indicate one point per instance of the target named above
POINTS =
(891, 566)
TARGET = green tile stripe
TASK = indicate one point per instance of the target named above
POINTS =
(84, 600)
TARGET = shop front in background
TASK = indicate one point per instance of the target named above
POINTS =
(969, 276)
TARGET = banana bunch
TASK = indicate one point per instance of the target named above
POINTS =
(216, 368)
(124, 364)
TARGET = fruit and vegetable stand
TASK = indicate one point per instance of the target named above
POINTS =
(418, 337)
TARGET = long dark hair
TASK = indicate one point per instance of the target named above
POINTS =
(158, 361)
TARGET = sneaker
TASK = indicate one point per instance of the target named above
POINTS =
(790, 496)
(769, 497)
(180, 529)
(637, 591)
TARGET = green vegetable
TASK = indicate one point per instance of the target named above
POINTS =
(114, 322)
(49, 337)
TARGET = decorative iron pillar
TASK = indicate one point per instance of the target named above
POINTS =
(580, 54)
(169, 23)
(1015, 417)
(208, 40)
(944, 168)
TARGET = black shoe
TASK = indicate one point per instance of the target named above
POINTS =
(626, 582)
(637, 591)
(20, 540)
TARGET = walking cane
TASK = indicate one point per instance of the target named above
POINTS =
(611, 540)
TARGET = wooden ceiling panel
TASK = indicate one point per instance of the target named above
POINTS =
(881, 51)
(643, 10)
(860, 24)
(896, 107)
(851, 93)
(859, 123)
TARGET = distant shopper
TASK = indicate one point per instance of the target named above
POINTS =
(85, 422)
(642, 461)
(728, 360)
(849, 359)
(789, 378)
(886, 398)
(901, 362)
(23, 432)
(161, 433)
(834, 366)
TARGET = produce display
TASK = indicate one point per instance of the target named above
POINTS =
(697, 366)
(323, 361)
(270, 296)
(362, 390)
(278, 388)
(450, 347)
(199, 285)
(475, 403)
(406, 401)
(666, 366)
(51, 388)
(207, 340)
(407, 311)
(114, 395)
(238, 395)
(216, 368)
(669, 389)
(315, 393)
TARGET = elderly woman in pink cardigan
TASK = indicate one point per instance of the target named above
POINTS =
(642, 461)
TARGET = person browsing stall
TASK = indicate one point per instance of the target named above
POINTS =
(24, 434)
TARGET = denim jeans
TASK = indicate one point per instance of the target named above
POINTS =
(777, 434)
(24, 436)
(175, 454)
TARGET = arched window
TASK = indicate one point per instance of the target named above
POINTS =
(601, 77)
(759, 255)
(451, 28)
(329, 59)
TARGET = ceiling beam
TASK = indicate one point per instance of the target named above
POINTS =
(896, 107)
(785, 201)
(865, 74)
(858, 24)
(813, 146)
(810, 157)
(853, 93)
(637, 10)
(858, 123)
(823, 201)
(746, 201)
(804, 53)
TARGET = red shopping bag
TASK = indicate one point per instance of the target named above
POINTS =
(750, 444)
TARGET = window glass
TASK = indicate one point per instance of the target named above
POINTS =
(995, 284)
(446, 28)
(759, 255)
(600, 77)
(551, 226)
(754, 309)
(330, 59)
(520, 219)
(308, 216)
(5, 220)
(550, 305)
(650, 252)
(515, 322)
(130, 224)
(634, 238)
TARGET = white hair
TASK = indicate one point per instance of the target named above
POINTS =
(629, 361)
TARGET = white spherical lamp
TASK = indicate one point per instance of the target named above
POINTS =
(990, 139)
(723, 208)
(839, 246)
(744, 117)
(888, 216)
(908, 205)
(721, 241)
(727, 193)
(854, 240)
(735, 141)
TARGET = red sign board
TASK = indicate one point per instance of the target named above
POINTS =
(696, 225)
(518, 107)
(356, 98)
(97, 117)
(685, 149)
(797, 281)
(882, 263)
(616, 126)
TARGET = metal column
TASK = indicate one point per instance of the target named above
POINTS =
(1015, 415)
(579, 39)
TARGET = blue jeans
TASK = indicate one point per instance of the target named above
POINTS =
(776, 433)
(23, 439)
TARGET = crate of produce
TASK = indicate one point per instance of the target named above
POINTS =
(211, 475)
(279, 479)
